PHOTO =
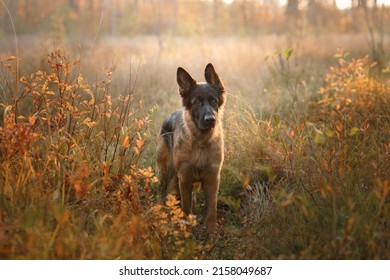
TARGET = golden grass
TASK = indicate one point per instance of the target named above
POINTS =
(307, 150)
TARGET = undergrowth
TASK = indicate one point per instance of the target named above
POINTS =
(314, 178)
(73, 182)
(307, 180)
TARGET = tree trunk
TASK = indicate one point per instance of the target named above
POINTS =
(292, 8)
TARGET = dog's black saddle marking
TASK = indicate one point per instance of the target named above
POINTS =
(168, 127)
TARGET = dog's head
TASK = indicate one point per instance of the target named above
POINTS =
(203, 100)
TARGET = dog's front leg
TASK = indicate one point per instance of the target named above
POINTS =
(211, 186)
(186, 188)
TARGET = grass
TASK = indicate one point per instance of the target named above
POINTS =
(307, 150)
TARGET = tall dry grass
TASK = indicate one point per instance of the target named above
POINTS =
(311, 180)
(307, 149)
(73, 180)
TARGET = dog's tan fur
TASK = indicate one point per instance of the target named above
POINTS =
(195, 156)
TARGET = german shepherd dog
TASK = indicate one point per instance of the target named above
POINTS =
(190, 147)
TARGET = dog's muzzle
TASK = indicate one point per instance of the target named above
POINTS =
(209, 121)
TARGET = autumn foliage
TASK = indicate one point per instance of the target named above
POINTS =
(306, 172)
(72, 183)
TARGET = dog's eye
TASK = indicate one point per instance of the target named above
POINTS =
(214, 101)
(197, 101)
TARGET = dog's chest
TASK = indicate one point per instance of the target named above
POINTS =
(204, 159)
(198, 158)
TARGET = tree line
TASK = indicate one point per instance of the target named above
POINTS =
(187, 17)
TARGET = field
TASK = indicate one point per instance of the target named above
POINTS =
(307, 145)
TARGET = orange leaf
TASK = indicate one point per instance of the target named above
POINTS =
(139, 143)
(12, 58)
(32, 120)
(125, 143)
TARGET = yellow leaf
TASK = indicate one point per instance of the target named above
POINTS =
(386, 70)
(319, 138)
(285, 203)
(246, 178)
(329, 133)
(87, 121)
(353, 131)
(12, 58)
(329, 188)
(91, 101)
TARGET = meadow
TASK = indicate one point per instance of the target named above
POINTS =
(307, 145)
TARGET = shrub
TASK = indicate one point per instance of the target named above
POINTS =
(73, 183)
(327, 185)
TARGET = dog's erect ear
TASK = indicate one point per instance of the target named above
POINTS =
(212, 77)
(185, 81)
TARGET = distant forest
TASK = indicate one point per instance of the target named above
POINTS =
(189, 17)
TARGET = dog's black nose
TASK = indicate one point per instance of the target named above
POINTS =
(209, 118)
